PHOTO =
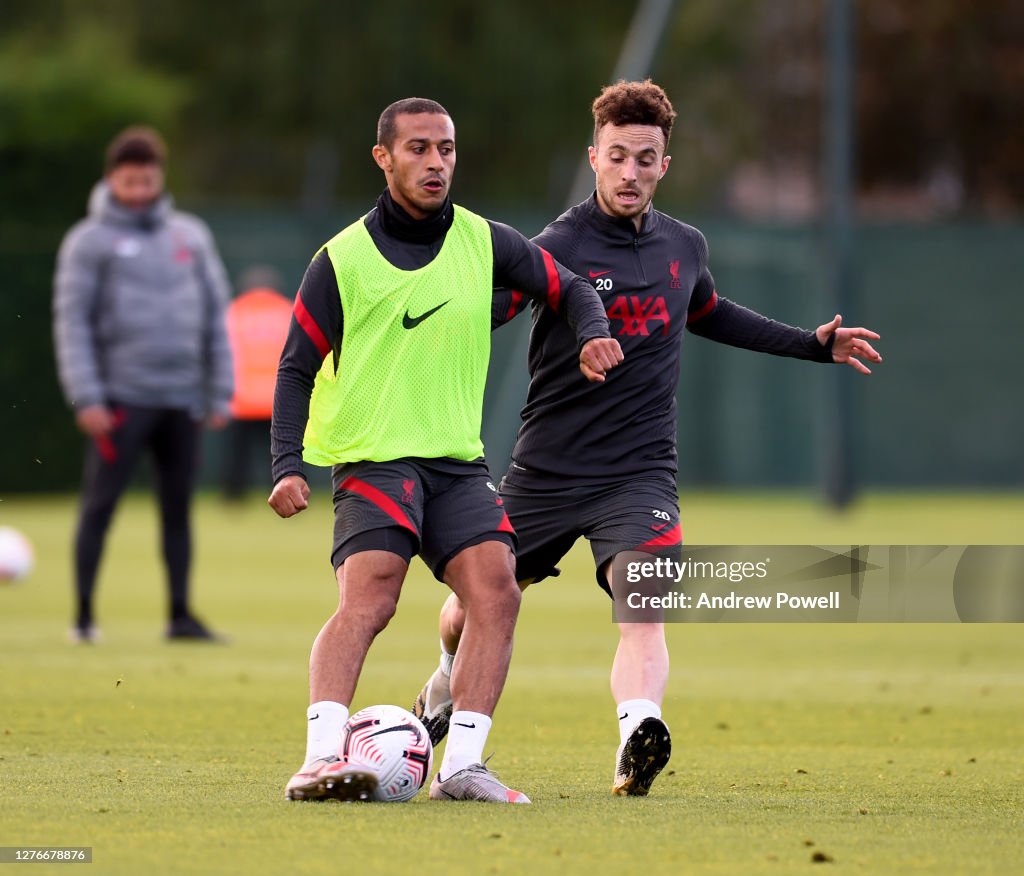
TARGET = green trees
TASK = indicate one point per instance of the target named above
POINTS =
(271, 104)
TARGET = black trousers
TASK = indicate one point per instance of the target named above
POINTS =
(172, 437)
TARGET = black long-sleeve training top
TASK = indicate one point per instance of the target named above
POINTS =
(654, 283)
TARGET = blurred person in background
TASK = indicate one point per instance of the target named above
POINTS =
(257, 323)
(142, 352)
(602, 465)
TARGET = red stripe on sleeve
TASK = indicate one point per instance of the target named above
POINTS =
(386, 504)
(513, 308)
(309, 326)
(506, 525)
(705, 310)
(554, 286)
(672, 537)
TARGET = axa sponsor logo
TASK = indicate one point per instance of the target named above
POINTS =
(637, 313)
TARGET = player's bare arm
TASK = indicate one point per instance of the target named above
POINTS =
(849, 343)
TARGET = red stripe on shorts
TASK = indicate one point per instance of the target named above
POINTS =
(386, 504)
(672, 537)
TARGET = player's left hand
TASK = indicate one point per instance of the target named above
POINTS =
(849, 342)
(598, 356)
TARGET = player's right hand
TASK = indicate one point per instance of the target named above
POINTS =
(95, 420)
(289, 496)
(598, 356)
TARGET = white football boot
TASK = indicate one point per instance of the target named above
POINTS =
(475, 782)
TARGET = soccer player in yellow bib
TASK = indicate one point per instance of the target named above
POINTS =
(382, 378)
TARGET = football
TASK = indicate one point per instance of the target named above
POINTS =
(16, 555)
(392, 744)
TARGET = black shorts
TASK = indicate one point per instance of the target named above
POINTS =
(431, 507)
(640, 514)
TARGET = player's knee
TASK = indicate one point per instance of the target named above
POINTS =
(504, 596)
(369, 615)
(370, 605)
(494, 593)
(383, 617)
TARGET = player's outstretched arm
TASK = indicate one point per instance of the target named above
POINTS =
(290, 496)
(849, 343)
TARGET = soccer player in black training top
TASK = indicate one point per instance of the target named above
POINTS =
(603, 464)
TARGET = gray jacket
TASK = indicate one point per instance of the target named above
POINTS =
(139, 310)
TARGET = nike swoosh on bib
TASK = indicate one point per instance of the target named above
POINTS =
(411, 322)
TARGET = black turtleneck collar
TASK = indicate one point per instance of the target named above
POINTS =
(619, 223)
(396, 222)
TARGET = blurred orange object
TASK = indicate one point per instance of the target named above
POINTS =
(258, 322)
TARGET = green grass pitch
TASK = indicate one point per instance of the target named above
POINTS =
(871, 748)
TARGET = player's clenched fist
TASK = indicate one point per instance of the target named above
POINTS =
(598, 356)
(290, 496)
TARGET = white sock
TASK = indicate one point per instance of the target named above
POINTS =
(447, 661)
(631, 713)
(324, 722)
(467, 735)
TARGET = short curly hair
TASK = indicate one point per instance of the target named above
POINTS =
(634, 103)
